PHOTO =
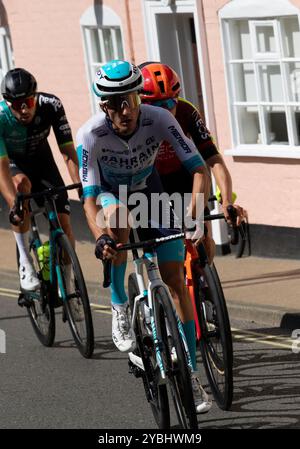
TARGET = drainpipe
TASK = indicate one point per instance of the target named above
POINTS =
(129, 28)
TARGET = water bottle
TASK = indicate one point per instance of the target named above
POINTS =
(43, 252)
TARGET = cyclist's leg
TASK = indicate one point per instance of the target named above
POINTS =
(28, 277)
(116, 217)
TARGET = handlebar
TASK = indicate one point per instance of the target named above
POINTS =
(158, 241)
(50, 192)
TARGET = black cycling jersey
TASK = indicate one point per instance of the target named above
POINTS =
(21, 142)
(27, 146)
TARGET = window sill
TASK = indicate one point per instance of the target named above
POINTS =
(265, 151)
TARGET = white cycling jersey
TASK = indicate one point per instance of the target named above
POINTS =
(107, 161)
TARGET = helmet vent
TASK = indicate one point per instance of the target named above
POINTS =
(161, 86)
(176, 87)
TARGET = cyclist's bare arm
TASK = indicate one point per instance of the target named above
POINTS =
(69, 154)
(201, 184)
(92, 211)
(222, 176)
(224, 181)
(7, 187)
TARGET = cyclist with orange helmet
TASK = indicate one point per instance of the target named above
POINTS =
(161, 88)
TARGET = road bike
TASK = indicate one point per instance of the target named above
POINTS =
(161, 358)
(55, 290)
(212, 323)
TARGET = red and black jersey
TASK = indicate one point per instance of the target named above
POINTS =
(193, 126)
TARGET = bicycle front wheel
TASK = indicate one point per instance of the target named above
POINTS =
(75, 297)
(175, 358)
(156, 395)
(216, 339)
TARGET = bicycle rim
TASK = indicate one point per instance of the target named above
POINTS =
(41, 312)
(175, 358)
(216, 339)
(76, 304)
(156, 395)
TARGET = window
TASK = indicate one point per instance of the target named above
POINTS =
(102, 41)
(263, 76)
(6, 59)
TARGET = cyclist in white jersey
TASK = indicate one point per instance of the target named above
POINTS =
(118, 146)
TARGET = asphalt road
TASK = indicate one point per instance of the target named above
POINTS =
(55, 388)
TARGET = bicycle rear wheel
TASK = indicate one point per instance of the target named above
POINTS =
(216, 339)
(75, 298)
(175, 358)
(156, 395)
(40, 307)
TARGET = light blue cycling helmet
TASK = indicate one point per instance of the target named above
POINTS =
(117, 77)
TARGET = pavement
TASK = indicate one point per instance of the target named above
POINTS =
(261, 290)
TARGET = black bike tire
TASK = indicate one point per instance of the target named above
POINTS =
(160, 410)
(223, 399)
(164, 310)
(46, 339)
(85, 348)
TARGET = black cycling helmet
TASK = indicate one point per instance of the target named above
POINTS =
(18, 83)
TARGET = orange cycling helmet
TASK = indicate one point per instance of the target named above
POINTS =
(160, 82)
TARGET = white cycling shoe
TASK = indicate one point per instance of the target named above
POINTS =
(122, 333)
(202, 402)
(28, 277)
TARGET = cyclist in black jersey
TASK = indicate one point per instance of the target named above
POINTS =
(26, 118)
(162, 88)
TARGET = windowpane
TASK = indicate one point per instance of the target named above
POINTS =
(119, 44)
(297, 121)
(109, 49)
(276, 125)
(291, 37)
(240, 40)
(245, 86)
(95, 45)
(265, 39)
(249, 126)
(293, 84)
(270, 80)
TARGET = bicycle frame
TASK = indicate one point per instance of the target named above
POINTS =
(149, 260)
(191, 258)
(54, 230)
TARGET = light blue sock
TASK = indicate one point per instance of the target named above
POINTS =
(190, 335)
(118, 294)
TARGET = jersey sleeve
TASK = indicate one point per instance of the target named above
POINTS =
(60, 124)
(199, 133)
(88, 166)
(185, 149)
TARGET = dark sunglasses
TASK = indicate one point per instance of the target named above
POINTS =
(169, 103)
(21, 103)
(119, 102)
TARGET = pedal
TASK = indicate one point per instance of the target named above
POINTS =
(136, 361)
(24, 300)
(135, 370)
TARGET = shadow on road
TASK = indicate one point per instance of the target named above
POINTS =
(266, 390)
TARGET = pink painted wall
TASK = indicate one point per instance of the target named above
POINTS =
(265, 186)
(46, 39)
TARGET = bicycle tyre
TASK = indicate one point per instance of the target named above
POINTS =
(41, 310)
(84, 343)
(156, 395)
(216, 340)
(177, 371)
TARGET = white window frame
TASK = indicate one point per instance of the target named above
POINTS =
(258, 13)
(90, 21)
